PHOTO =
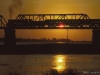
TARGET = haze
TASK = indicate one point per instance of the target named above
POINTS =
(90, 7)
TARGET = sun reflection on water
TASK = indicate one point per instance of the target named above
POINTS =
(60, 63)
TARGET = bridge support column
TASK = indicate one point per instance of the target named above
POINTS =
(9, 38)
(96, 37)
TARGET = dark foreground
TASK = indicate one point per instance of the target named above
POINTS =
(51, 49)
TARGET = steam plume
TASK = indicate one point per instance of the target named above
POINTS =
(16, 5)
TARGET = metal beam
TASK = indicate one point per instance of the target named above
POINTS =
(3, 22)
(52, 16)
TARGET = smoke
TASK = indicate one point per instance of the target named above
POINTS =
(15, 6)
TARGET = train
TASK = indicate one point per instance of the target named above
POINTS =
(54, 23)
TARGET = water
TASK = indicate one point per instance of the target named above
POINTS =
(40, 64)
(25, 43)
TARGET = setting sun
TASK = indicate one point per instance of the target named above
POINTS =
(61, 25)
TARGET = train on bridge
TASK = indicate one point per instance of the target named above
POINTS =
(53, 20)
(54, 23)
(49, 21)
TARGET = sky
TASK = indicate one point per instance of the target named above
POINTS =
(90, 7)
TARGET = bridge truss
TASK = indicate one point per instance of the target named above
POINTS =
(43, 17)
(3, 22)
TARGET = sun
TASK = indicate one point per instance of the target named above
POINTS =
(61, 25)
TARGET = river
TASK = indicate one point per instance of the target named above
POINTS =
(37, 64)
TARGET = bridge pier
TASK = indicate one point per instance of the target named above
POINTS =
(96, 37)
(9, 37)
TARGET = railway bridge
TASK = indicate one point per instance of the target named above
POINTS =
(49, 21)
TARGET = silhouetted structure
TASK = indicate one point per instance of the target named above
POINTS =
(9, 38)
(96, 37)
(3, 22)
(50, 21)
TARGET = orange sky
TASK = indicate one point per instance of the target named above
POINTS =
(90, 7)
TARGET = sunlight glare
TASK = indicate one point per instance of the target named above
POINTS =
(60, 60)
(60, 63)
(59, 68)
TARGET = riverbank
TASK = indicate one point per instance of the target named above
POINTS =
(51, 49)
